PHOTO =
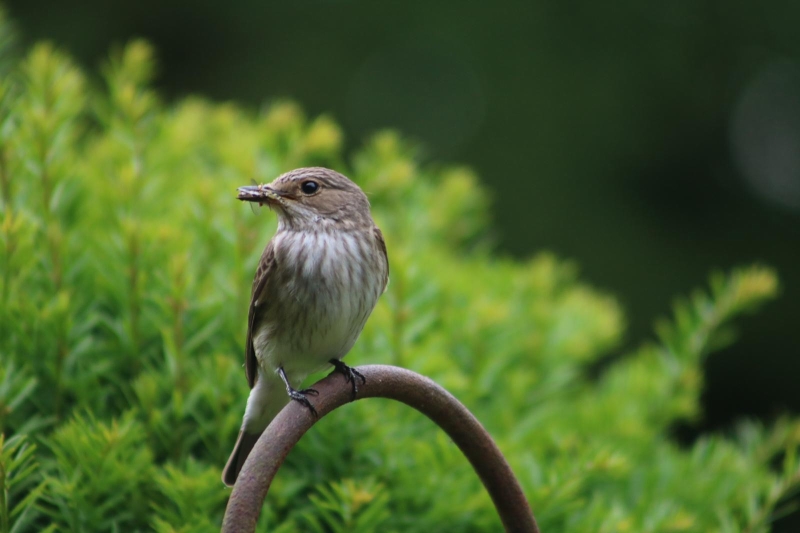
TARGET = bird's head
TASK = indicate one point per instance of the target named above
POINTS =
(312, 198)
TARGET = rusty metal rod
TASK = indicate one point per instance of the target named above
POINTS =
(419, 392)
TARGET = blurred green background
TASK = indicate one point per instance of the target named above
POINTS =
(651, 142)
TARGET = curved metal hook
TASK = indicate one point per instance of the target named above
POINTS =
(410, 388)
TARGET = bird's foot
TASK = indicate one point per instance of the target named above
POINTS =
(299, 395)
(302, 397)
(350, 375)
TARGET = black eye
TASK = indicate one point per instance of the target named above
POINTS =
(309, 187)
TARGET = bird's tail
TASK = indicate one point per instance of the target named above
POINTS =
(267, 398)
(244, 444)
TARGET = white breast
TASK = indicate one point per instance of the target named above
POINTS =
(318, 299)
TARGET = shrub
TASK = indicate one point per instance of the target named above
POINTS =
(125, 275)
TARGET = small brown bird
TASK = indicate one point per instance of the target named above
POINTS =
(317, 282)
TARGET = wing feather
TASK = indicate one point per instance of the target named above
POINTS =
(382, 247)
(257, 307)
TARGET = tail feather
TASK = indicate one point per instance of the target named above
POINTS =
(267, 398)
(244, 444)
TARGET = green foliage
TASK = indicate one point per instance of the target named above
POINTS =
(101, 475)
(19, 487)
(125, 276)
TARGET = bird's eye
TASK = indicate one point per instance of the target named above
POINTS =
(309, 187)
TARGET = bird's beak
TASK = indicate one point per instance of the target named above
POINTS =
(258, 193)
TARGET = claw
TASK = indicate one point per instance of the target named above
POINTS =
(299, 395)
(350, 375)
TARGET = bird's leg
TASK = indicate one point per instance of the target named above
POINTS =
(298, 395)
(350, 374)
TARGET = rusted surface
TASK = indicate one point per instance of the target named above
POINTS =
(419, 392)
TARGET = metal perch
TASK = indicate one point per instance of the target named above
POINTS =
(419, 392)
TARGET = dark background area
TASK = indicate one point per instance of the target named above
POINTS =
(651, 142)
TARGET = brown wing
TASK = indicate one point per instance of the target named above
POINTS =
(382, 247)
(257, 306)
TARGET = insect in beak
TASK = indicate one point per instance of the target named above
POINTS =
(258, 194)
(253, 204)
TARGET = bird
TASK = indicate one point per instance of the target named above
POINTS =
(318, 280)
